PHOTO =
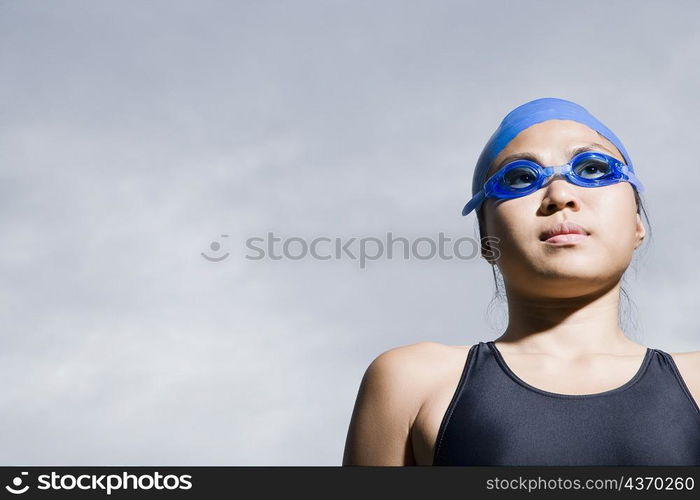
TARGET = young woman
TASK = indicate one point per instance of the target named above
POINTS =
(563, 385)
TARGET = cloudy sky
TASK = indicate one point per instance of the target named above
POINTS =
(136, 134)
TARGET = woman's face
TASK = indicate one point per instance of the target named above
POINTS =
(607, 213)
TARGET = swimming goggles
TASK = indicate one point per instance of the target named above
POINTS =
(522, 177)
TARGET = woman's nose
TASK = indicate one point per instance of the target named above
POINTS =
(559, 193)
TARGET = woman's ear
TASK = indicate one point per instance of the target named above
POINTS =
(486, 251)
(483, 244)
(488, 246)
(640, 232)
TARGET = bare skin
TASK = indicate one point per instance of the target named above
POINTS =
(563, 334)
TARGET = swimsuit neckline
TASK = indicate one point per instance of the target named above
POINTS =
(635, 378)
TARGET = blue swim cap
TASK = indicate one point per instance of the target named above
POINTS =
(530, 113)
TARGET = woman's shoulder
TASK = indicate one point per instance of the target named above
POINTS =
(417, 368)
(688, 364)
(686, 355)
(392, 392)
(418, 356)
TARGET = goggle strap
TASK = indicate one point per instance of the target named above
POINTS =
(473, 203)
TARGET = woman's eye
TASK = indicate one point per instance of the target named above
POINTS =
(519, 178)
(592, 169)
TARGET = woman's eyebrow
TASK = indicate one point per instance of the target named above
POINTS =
(532, 157)
(589, 147)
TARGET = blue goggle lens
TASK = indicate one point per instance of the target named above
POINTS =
(519, 178)
(592, 169)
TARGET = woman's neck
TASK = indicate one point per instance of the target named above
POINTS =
(566, 326)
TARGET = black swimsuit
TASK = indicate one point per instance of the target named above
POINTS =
(496, 418)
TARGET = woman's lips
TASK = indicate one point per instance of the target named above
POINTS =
(566, 238)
